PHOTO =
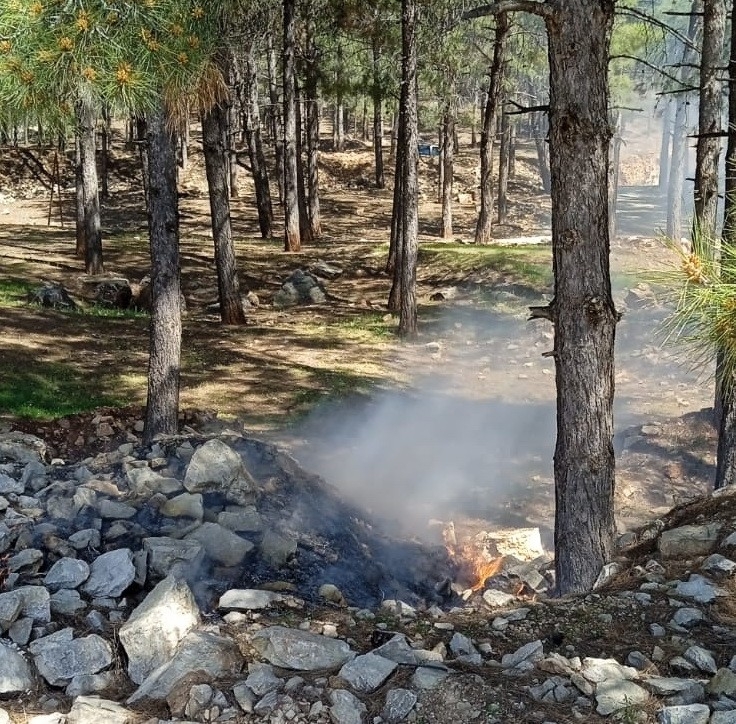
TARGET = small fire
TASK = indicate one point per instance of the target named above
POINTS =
(476, 567)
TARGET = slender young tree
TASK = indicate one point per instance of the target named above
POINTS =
(484, 223)
(292, 234)
(448, 170)
(215, 134)
(311, 100)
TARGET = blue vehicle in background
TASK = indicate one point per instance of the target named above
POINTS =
(429, 150)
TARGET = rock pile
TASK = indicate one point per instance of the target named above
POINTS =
(102, 621)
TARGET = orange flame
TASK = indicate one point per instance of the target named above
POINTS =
(483, 570)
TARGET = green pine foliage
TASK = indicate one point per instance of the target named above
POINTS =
(124, 54)
(703, 294)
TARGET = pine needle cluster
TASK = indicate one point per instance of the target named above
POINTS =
(702, 281)
(128, 55)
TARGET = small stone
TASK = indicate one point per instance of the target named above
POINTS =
(346, 708)
(221, 545)
(67, 602)
(698, 588)
(612, 696)
(533, 651)
(427, 677)
(688, 541)
(25, 559)
(15, 672)
(301, 650)
(185, 505)
(399, 702)
(60, 657)
(687, 714)
(248, 599)
(114, 510)
(687, 617)
(702, 658)
(723, 683)
(262, 680)
(94, 710)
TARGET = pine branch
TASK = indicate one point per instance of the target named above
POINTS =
(651, 66)
(641, 15)
(509, 6)
(527, 109)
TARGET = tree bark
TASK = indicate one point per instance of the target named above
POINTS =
(407, 269)
(90, 194)
(79, 198)
(726, 453)
(503, 167)
(311, 97)
(301, 185)
(708, 147)
(292, 234)
(378, 114)
(679, 133)
(162, 406)
(540, 141)
(583, 311)
(484, 223)
(214, 134)
(665, 146)
(448, 128)
(277, 131)
(254, 141)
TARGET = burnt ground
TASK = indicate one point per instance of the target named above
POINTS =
(458, 425)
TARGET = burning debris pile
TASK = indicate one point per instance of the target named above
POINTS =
(212, 579)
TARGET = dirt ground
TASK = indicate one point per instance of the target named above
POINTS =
(458, 425)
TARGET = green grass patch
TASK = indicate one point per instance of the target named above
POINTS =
(327, 385)
(529, 265)
(370, 325)
(14, 292)
(96, 310)
(46, 391)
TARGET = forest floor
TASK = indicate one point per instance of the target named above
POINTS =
(459, 424)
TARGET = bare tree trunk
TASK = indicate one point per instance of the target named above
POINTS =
(81, 247)
(512, 150)
(214, 135)
(311, 96)
(503, 167)
(256, 156)
(292, 235)
(540, 141)
(613, 176)
(141, 129)
(277, 130)
(726, 455)
(448, 128)
(407, 269)
(666, 145)
(582, 310)
(484, 223)
(378, 114)
(708, 148)
(105, 154)
(162, 406)
(396, 243)
(88, 152)
(679, 134)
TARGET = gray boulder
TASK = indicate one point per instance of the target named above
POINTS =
(156, 627)
(93, 710)
(687, 714)
(221, 545)
(299, 288)
(15, 671)
(66, 573)
(215, 466)
(110, 574)
(168, 555)
(346, 708)
(60, 657)
(616, 694)
(200, 653)
(399, 702)
(300, 650)
(367, 672)
(35, 602)
(689, 540)
(52, 294)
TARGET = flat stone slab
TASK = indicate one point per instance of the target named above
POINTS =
(301, 650)
(367, 672)
(110, 574)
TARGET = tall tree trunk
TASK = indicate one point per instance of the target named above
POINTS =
(311, 97)
(256, 156)
(484, 223)
(503, 167)
(301, 186)
(708, 147)
(726, 455)
(214, 134)
(512, 150)
(666, 145)
(81, 247)
(448, 129)
(141, 129)
(582, 310)
(105, 154)
(162, 405)
(292, 235)
(613, 175)
(407, 269)
(277, 131)
(680, 130)
(396, 243)
(377, 92)
(88, 151)
(540, 141)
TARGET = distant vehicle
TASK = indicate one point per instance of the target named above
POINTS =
(429, 150)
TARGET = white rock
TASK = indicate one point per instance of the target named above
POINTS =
(248, 599)
(598, 670)
(155, 628)
(94, 710)
(689, 540)
(616, 694)
(301, 650)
